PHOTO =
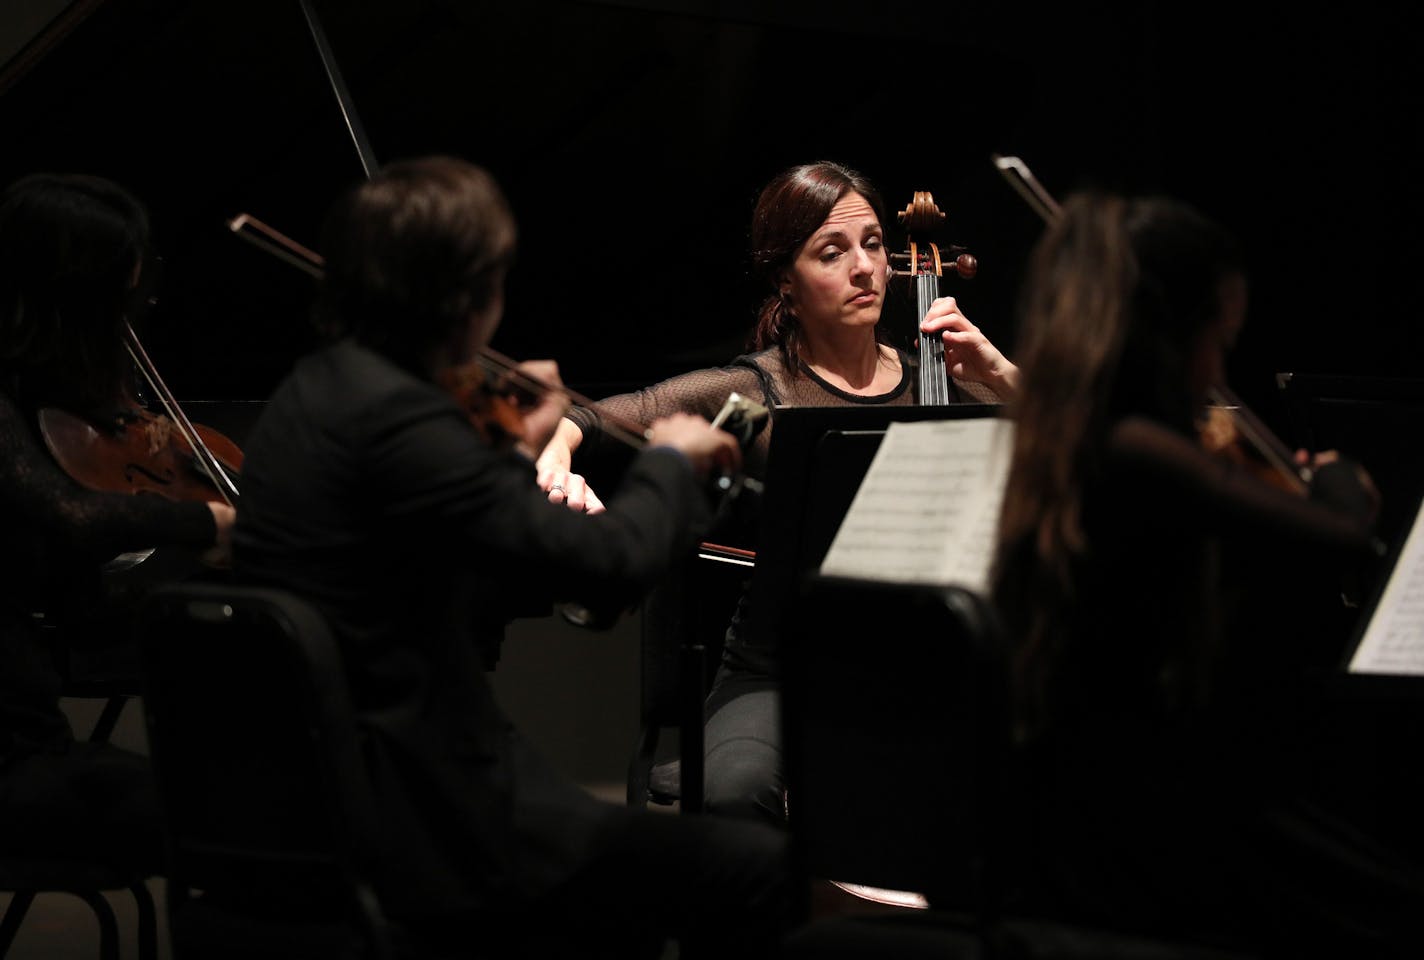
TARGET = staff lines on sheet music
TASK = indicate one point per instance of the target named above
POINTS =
(928, 507)
(1393, 639)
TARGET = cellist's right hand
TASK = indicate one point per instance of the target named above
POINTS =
(706, 446)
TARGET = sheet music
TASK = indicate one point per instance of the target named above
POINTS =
(928, 508)
(1393, 641)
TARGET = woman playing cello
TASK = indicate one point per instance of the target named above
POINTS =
(818, 242)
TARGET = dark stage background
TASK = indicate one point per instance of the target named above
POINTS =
(632, 139)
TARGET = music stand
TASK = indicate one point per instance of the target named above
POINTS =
(818, 457)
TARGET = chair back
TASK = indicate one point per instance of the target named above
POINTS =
(896, 727)
(254, 744)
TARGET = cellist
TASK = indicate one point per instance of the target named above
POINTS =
(818, 242)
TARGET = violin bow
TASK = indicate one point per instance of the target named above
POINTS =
(1021, 178)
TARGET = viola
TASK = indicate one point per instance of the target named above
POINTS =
(925, 266)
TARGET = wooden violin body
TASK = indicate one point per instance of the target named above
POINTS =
(1229, 429)
(487, 397)
(137, 452)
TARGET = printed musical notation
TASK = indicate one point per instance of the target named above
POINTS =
(1393, 638)
(928, 508)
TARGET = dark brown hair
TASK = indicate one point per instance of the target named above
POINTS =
(411, 253)
(789, 210)
(1118, 294)
(69, 244)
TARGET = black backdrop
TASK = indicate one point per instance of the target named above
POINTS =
(632, 139)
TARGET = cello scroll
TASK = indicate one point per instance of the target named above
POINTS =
(924, 264)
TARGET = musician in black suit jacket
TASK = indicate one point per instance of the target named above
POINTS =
(367, 491)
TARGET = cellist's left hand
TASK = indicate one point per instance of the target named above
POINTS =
(968, 354)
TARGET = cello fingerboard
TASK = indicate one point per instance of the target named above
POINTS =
(933, 378)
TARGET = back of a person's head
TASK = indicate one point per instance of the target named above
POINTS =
(1118, 292)
(412, 252)
(70, 247)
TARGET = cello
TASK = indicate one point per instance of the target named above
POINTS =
(925, 266)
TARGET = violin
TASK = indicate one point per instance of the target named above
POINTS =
(141, 451)
(138, 451)
(1229, 429)
(495, 405)
(925, 266)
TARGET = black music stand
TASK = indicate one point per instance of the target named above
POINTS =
(818, 457)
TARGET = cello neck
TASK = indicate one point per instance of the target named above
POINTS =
(932, 379)
(924, 267)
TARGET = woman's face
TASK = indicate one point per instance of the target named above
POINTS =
(837, 278)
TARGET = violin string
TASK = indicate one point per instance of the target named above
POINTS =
(209, 463)
(1267, 443)
(624, 430)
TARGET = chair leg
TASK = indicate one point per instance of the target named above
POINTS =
(694, 691)
(147, 922)
(108, 926)
(640, 765)
(108, 718)
(14, 916)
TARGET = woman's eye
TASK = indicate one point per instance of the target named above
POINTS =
(874, 243)
(829, 254)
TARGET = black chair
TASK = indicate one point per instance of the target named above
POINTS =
(269, 815)
(901, 774)
(683, 627)
(26, 878)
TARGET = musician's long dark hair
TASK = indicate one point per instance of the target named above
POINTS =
(1118, 295)
(71, 248)
(791, 207)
